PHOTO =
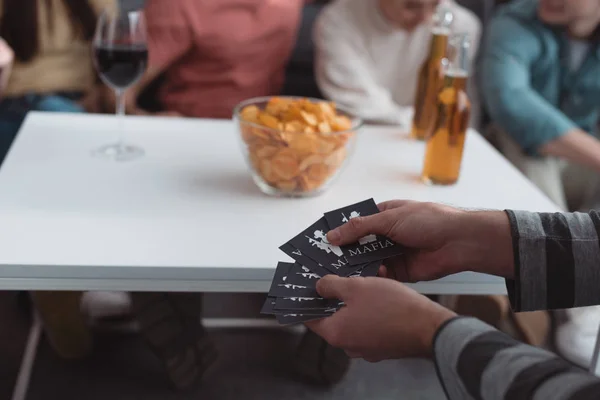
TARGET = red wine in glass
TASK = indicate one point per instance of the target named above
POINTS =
(121, 65)
(121, 58)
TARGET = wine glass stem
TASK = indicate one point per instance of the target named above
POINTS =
(121, 117)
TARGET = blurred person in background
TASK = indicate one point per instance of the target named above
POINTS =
(49, 46)
(369, 53)
(213, 54)
(205, 58)
(6, 61)
(541, 86)
(52, 70)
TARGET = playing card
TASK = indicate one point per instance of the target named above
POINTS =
(304, 260)
(301, 275)
(340, 216)
(290, 319)
(313, 243)
(369, 248)
(280, 287)
(370, 270)
(269, 306)
(305, 303)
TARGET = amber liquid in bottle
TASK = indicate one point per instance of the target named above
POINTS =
(444, 150)
(430, 79)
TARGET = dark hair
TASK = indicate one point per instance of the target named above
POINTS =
(19, 25)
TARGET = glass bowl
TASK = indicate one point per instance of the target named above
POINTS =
(295, 146)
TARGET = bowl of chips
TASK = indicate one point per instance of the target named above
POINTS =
(295, 147)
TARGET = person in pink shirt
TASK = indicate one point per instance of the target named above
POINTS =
(214, 54)
(209, 55)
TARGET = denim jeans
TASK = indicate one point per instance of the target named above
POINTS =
(13, 111)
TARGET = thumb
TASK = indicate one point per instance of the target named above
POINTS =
(356, 228)
(334, 287)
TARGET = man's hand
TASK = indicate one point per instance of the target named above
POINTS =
(440, 240)
(576, 146)
(382, 319)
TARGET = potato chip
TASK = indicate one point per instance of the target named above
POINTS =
(258, 135)
(285, 164)
(266, 151)
(268, 120)
(250, 113)
(294, 126)
(303, 143)
(324, 127)
(287, 186)
(336, 159)
(341, 123)
(308, 185)
(305, 184)
(278, 106)
(340, 139)
(266, 171)
(327, 110)
(293, 113)
(318, 172)
(325, 146)
(310, 160)
(310, 119)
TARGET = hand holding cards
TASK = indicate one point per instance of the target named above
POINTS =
(293, 297)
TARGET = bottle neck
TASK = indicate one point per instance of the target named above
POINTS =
(457, 79)
(458, 55)
(439, 46)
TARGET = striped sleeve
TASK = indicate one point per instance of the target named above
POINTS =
(476, 362)
(557, 260)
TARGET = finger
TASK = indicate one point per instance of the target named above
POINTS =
(316, 326)
(373, 359)
(353, 354)
(356, 228)
(387, 272)
(335, 287)
(391, 204)
(325, 328)
(396, 268)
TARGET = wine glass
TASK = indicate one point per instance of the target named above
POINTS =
(121, 58)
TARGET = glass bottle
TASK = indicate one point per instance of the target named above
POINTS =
(431, 75)
(443, 155)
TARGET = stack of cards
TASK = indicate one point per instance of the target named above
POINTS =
(293, 297)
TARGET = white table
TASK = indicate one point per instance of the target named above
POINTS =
(187, 217)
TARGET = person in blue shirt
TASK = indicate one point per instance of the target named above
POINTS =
(541, 86)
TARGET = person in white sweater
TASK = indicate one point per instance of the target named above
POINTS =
(369, 53)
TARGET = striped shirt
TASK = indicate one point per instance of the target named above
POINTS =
(557, 265)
